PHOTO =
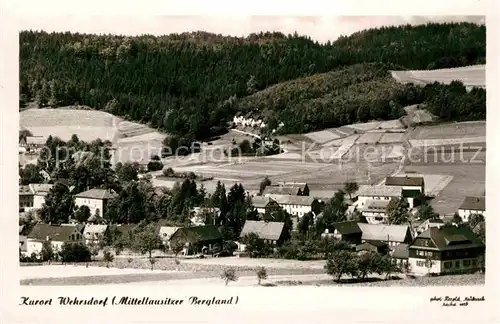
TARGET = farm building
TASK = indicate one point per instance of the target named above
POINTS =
(95, 199)
(422, 227)
(373, 246)
(94, 233)
(348, 232)
(391, 234)
(198, 237)
(294, 205)
(412, 187)
(367, 192)
(374, 211)
(40, 191)
(471, 206)
(56, 234)
(270, 232)
(446, 249)
(264, 204)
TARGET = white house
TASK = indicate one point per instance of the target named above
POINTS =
(374, 211)
(56, 234)
(294, 205)
(470, 206)
(40, 191)
(94, 233)
(95, 199)
(166, 232)
(368, 193)
(411, 187)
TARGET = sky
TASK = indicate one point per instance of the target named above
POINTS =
(320, 28)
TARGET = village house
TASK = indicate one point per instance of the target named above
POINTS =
(373, 246)
(197, 238)
(40, 191)
(287, 188)
(400, 254)
(198, 214)
(471, 206)
(367, 193)
(94, 234)
(374, 211)
(26, 198)
(296, 206)
(56, 234)
(32, 143)
(412, 187)
(390, 234)
(165, 233)
(95, 200)
(447, 249)
(271, 232)
(348, 232)
(265, 204)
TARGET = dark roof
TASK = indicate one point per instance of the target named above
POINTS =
(344, 228)
(265, 230)
(54, 232)
(401, 251)
(474, 203)
(411, 193)
(452, 238)
(404, 181)
(198, 233)
(376, 243)
(281, 190)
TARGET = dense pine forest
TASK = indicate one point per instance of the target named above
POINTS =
(190, 85)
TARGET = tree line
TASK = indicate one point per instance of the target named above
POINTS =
(190, 85)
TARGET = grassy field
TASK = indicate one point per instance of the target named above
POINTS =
(469, 75)
(448, 131)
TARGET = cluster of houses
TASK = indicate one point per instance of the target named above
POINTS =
(450, 248)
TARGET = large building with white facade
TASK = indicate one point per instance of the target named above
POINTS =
(95, 199)
(471, 206)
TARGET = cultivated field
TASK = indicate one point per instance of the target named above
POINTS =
(468, 180)
(449, 131)
(471, 76)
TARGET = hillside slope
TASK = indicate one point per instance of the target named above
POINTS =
(189, 84)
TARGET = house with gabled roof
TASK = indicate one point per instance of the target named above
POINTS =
(374, 211)
(198, 237)
(390, 234)
(367, 193)
(95, 199)
(40, 191)
(56, 234)
(349, 232)
(271, 232)
(94, 233)
(447, 249)
(166, 232)
(296, 206)
(412, 187)
(471, 206)
(265, 204)
(26, 197)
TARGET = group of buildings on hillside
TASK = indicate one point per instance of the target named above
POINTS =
(452, 248)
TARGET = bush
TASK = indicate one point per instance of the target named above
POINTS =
(75, 252)
(108, 257)
(229, 274)
(256, 247)
(261, 274)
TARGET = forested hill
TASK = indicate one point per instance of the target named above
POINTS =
(191, 84)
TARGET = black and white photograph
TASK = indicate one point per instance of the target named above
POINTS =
(265, 151)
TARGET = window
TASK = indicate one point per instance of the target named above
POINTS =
(474, 262)
(457, 264)
(466, 263)
(447, 265)
(420, 263)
